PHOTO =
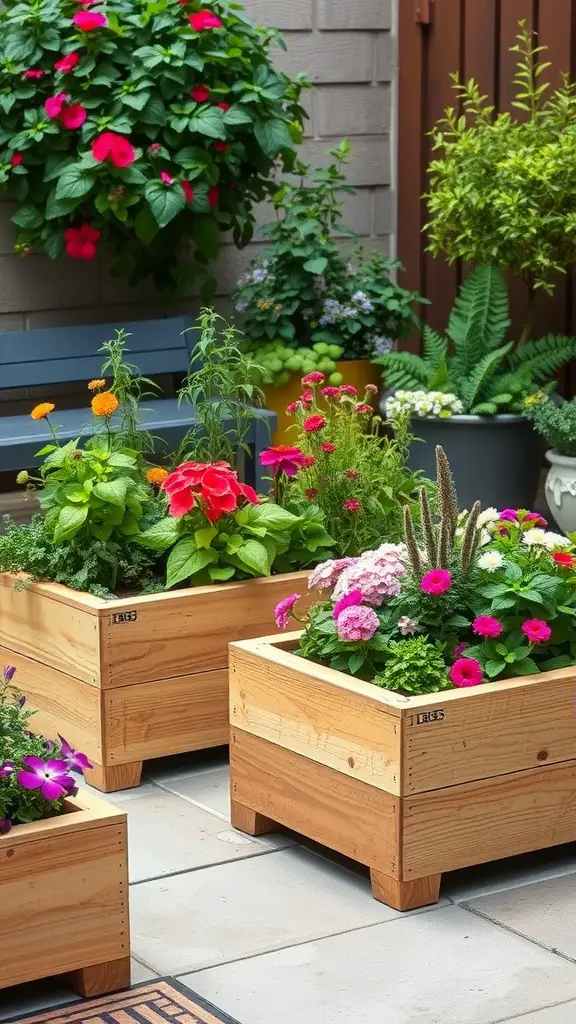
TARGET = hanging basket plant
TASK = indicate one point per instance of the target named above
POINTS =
(146, 127)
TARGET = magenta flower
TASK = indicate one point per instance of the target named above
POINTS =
(357, 623)
(54, 105)
(313, 378)
(283, 610)
(75, 761)
(487, 625)
(5, 826)
(348, 601)
(510, 514)
(283, 458)
(50, 777)
(535, 520)
(436, 582)
(537, 631)
(6, 769)
(466, 672)
(459, 650)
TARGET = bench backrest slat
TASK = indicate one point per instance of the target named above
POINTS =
(61, 355)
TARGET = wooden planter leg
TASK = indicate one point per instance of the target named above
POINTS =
(111, 778)
(419, 892)
(99, 979)
(246, 820)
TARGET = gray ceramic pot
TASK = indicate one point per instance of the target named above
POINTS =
(561, 490)
(495, 459)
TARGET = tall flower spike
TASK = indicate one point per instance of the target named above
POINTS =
(410, 540)
(445, 546)
(470, 538)
(447, 491)
(428, 529)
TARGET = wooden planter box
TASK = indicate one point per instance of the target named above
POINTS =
(137, 678)
(64, 905)
(410, 787)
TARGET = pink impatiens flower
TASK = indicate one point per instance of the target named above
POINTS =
(203, 20)
(466, 672)
(166, 178)
(67, 64)
(537, 631)
(113, 147)
(348, 601)
(283, 458)
(283, 610)
(486, 625)
(188, 191)
(16, 159)
(200, 93)
(80, 243)
(54, 105)
(88, 21)
(73, 116)
(436, 582)
(213, 197)
(357, 623)
(34, 73)
(50, 777)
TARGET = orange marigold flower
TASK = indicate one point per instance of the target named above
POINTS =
(104, 404)
(156, 475)
(96, 385)
(40, 412)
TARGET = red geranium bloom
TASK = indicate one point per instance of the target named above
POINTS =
(564, 559)
(34, 73)
(67, 64)
(80, 243)
(221, 146)
(54, 105)
(328, 447)
(114, 147)
(284, 459)
(213, 196)
(88, 21)
(352, 505)
(314, 423)
(200, 93)
(223, 106)
(17, 159)
(309, 461)
(215, 486)
(203, 20)
(188, 191)
(73, 116)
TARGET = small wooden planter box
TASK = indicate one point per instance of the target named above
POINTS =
(64, 902)
(410, 787)
(137, 678)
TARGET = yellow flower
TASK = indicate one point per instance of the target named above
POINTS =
(23, 477)
(534, 399)
(40, 412)
(156, 475)
(96, 385)
(104, 404)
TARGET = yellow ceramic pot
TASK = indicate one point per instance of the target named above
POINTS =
(358, 372)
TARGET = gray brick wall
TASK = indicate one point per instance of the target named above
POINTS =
(347, 49)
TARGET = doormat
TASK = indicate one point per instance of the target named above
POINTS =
(155, 1002)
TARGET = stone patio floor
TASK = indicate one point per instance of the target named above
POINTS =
(279, 931)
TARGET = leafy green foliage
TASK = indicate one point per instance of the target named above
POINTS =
(414, 666)
(556, 423)
(302, 290)
(501, 186)
(130, 388)
(475, 362)
(135, 77)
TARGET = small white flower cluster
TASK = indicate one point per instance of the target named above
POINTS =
(423, 403)
(545, 539)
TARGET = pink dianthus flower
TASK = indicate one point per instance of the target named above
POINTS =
(436, 582)
(466, 672)
(487, 625)
(283, 610)
(537, 631)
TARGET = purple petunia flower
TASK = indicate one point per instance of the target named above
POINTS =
(50, 777)
(75, 761)
(9, 673)
(5, 826)
(6, 769)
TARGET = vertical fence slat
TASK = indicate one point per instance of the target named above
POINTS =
(411, 132)
(480, 41)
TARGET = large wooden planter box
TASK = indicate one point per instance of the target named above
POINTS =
(64, 899)
(410, 787)
(137, 678)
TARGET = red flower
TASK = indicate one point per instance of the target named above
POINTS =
(67, 64)
(154, 147)
(213, 196)
(166, 178)
(221, 146)
(311, 493)
(215, 486)
(34, 73)
(466, 672)
(352, 474)
(188, 191)
(73, 116)
(17, 159)
(292, 408)
(363, 408)
(203, 20)
(314, 423)
(330, 392)
(313, 378)
(223, 106)
(283, 458)
(307, 398)
(328, 447)
(309, 461)
(114, 147)
(352, 505)
(88, 21)
(54, 105)
(348, 389)
(560, 557)
(200, 93)
(80, 243)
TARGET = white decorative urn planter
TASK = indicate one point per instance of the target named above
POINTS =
(561, 490)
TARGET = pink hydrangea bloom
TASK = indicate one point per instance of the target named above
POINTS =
(348, 601)
(283, 610)
(487, 625)
(377, 574)
(357, 623)
(326, 575)
(436, 582)
(466, 672)
(537, 631)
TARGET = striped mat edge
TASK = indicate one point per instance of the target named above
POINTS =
(164, 1001)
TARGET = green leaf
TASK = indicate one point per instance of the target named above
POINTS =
(161, 536)
(145, 226)
(70, 521)
(113, 492)
(206, 234)
(238, 115)
(166, 201)
(356, 661)
(221, 573)
(27, 217)
(185, 560)
(316, 266)
(73, 183)
(271, 515)
(208, 121)
(205, 536)
(527, 667)
(272, 136)
(255, 556)
(493, 668)
(120, 461)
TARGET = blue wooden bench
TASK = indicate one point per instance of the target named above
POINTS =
(62, 355)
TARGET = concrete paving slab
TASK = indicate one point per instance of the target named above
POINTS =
(544, 912)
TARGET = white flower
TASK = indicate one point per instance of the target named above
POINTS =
(534, 536)
(407, 626)
(485, 538)
(556, 540)
(489, 515)
(490, 561)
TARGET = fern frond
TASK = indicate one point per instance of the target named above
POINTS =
(479, 319)
(434, 348)
(404, 370)
(474, 387)
(542, 359)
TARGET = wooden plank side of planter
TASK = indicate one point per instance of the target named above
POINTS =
(170, 635)
(282, 698)
(64, 898)
(499, 728)
(346, 815)
(61, 703)
(170, 717)
(481, 821)
(64, 635)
